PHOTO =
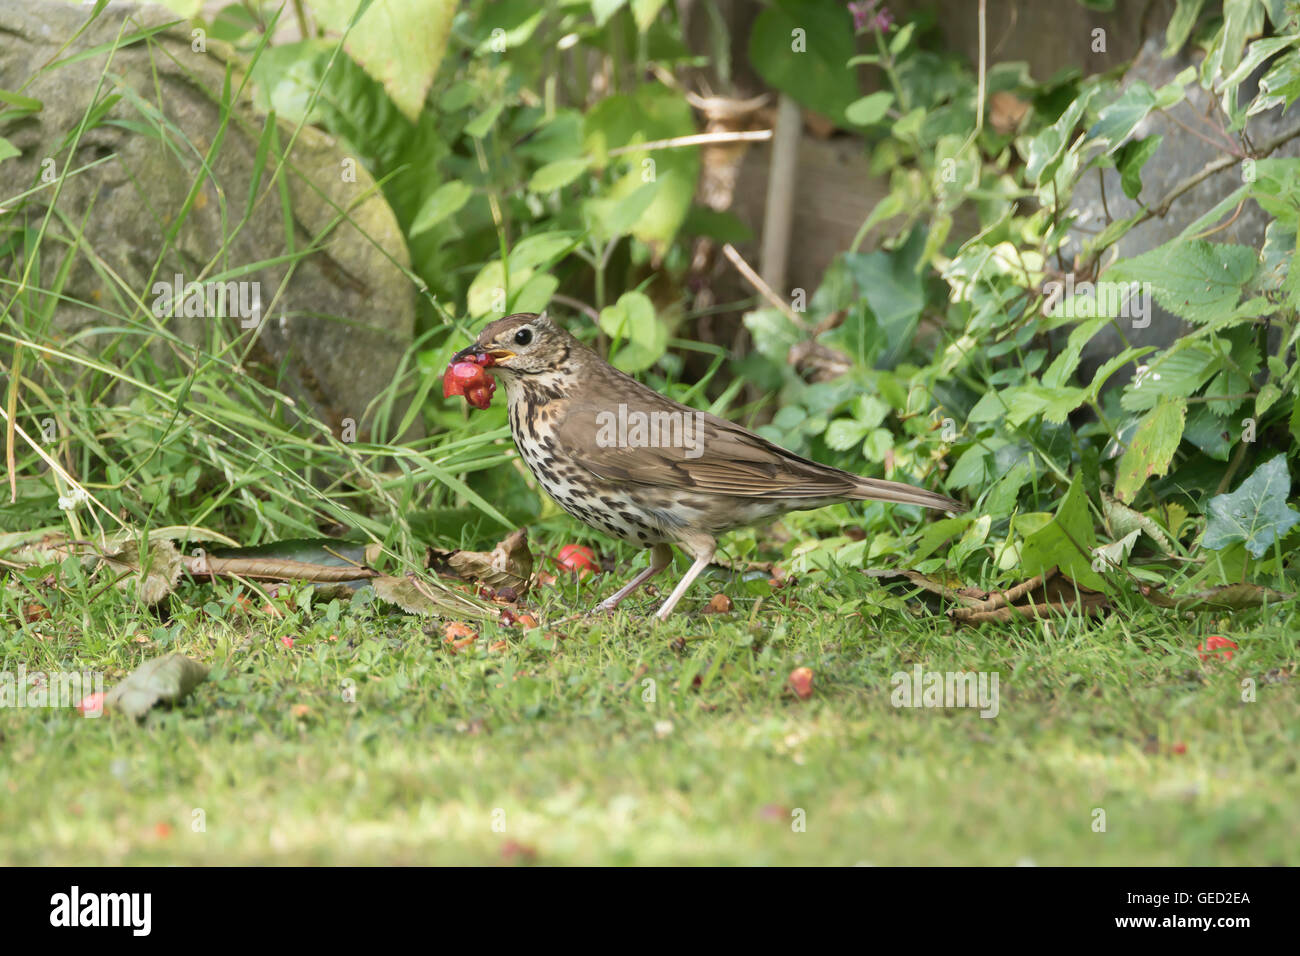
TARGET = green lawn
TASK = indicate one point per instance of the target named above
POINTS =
(548, 749)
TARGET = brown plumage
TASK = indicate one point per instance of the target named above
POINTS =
(629, 462)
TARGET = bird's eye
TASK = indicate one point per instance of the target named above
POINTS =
(523, 336)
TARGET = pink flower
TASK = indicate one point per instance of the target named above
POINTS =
(866, 15)
(862, 12)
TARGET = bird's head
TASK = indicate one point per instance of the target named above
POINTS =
(521, 344)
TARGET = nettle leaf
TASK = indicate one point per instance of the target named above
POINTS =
(1152, 447)
(844, 433)
(1196, 280)
(1066, 542)
(1177, 373)
(1256, 514)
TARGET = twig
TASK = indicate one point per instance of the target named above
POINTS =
(979, 93)
(695, 139)
(1204, 173)
(577, 305)
(762, 287)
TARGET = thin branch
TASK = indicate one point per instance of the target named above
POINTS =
(763, 288)
(578, 306)
(1205, 172)
(696, 139)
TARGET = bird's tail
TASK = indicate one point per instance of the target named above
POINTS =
(876, 489)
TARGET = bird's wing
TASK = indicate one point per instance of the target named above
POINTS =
(679, 447)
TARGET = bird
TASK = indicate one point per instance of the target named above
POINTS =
(637, 466)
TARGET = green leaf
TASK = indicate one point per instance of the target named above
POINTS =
(895, 292)
(445, 201)
(870, 109)
(1116, 121)
(1047, 148)
(7, 149)
(1180, 25)
(1067, 541)
(632, 320)
(1130, 161)
(1152, 447)
(398, 42)
(602, 10)
(800, 49)
(1255, 514)
(479, 126)
(1195, 280)
(645, 11)
(1177, 373)
(844, 433)
(557, 175)
(667, 176)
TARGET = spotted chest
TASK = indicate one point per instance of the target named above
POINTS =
(615, 510)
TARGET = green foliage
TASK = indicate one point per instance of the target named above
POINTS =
(1256, 514)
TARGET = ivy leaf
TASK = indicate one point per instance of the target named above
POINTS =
(1116, 121)
(1130, 161)
(1058, 542)
(1255, 514)
(1152, 447)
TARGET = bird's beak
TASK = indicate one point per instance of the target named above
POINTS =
(499, 356)
(477, 355)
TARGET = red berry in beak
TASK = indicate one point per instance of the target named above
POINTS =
(468, 378)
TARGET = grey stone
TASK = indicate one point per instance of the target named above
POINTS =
(1181, 154)
(336, 323)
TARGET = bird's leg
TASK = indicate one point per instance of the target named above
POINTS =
(660, 557)
(703, 553)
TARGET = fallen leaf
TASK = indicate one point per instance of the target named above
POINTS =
(507, 566)
(718, 604)
(163, 680)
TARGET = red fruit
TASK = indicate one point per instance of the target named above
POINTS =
(1216, 646)
(287, 642)
(577, 557)
(93, 704)
(801, 682)
(471, 380)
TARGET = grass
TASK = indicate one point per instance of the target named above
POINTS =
(551, 750)
(336, 731)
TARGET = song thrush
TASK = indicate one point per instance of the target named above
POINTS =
(629, 462)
